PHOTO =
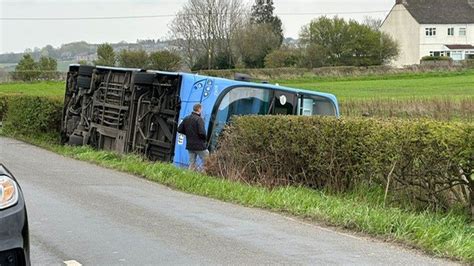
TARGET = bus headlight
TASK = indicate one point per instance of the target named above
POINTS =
(8, 192)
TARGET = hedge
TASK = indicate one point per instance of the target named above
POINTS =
(436, 58)
(421, 164)
(31, 115)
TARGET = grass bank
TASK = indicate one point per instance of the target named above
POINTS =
(444, 235)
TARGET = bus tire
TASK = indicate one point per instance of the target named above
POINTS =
(86, 70)
(144, 78)
(84, 82)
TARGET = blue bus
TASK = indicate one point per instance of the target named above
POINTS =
(138, 111)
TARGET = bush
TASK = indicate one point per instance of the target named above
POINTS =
(3, 106)
(165, 61)
(423, 163)
(133, 59)
(29, 116)
(27, 69)
(436, 58)
(283, 57)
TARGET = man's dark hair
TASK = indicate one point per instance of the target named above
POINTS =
(197, 107)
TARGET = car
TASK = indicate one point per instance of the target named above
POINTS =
(14, 235)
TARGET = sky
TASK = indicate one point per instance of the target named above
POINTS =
(16, 36)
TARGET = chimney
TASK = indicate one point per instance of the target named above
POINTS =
(404, 2)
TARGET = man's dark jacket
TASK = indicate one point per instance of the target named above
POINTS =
(193, 127)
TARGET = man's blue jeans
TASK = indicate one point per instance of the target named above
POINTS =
(193, 157)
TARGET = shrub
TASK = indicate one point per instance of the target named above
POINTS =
(133, 59)
(3, 106)
(27, 69)
(27, 115)
(423, 163)
(283, 57)
(436, 58)
(165, 61)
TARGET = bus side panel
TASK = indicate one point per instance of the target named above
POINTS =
(197, 89)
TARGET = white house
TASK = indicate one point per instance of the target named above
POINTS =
(431, 27)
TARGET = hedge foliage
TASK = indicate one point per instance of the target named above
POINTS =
(30, 115)
(423, 163)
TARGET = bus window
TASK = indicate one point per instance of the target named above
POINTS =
(239, 101)
(285, 103)
(315, 105)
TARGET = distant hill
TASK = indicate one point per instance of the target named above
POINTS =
(78, 51)
(74, 52)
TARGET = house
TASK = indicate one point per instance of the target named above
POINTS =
(431, 28)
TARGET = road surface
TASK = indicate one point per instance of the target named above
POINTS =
(83, 213)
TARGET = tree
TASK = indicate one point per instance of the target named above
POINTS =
(283, 57)
(253, 48)
(206, 30)
(314, 55)
(262, 13)
(348, 43)
(105, 55)
(27, 69)
(133, 59)
(165, 60)
(48, 67)
(373, 23)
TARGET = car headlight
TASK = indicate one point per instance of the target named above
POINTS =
(8, 192)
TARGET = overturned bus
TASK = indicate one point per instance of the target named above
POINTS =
(138, 111)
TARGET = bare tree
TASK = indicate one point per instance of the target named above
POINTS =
(206, 28)
(373, 23)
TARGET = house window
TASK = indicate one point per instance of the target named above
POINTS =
(440, 53)
(450, 31)
(430, 31)
(462, 31)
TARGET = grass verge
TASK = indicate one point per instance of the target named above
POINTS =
(444, 235)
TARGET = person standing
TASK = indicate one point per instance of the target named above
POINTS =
(193, 128)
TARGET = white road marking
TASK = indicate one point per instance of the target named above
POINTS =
(72, 263)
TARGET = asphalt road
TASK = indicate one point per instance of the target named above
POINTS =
(96, 216)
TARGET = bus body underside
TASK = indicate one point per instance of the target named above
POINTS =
(122, 110)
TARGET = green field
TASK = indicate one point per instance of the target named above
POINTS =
(49, 89)
(423, 85)
(438, 95)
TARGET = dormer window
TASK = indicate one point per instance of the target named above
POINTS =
(430, 31)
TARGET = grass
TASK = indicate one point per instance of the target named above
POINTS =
(455, 85)
(43, 89)
(437, 95)
(445, 235)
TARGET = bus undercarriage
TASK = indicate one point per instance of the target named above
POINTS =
(122, 110)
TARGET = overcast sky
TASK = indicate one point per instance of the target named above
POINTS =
(16, 36)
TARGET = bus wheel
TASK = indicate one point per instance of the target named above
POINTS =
(84, 82)
(86, 71)
(144, 78)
